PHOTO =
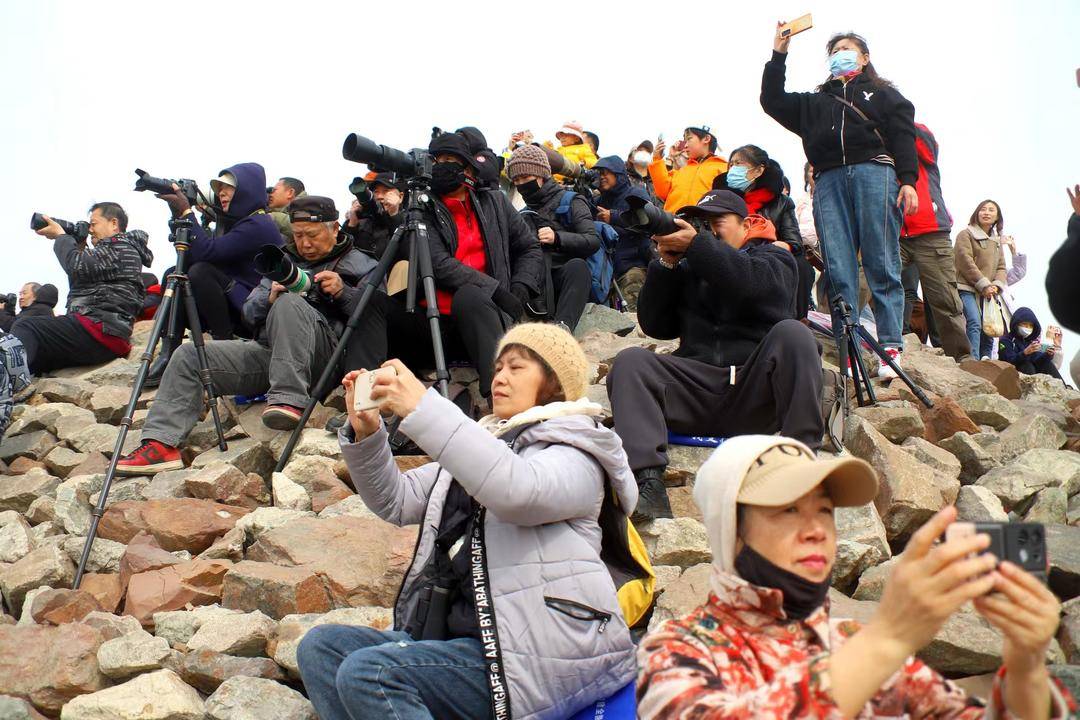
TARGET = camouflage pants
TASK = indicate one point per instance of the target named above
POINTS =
(630, 286)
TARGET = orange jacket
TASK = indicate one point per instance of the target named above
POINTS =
(686, 185)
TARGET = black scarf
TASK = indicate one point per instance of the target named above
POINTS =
(801, 596)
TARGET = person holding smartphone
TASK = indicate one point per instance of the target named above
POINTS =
(1023, 346)
(858, 132)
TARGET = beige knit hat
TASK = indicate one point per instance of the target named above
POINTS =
(529, 160)
(559, 350)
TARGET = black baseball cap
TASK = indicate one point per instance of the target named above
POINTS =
(717, 202)
(390, 180)
(312, 208)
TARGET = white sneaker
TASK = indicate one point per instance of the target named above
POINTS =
(984, 358)
(884, 371)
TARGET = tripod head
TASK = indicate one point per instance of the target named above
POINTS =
(841, 308)
(179, 232)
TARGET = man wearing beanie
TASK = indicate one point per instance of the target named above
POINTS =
(743, 365)
(486, 263)
(564, 225)
(296, 330)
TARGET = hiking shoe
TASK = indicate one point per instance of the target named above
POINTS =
(281, 417)
(149, 458)
(336, 423)
(885, 372)
(652, 501)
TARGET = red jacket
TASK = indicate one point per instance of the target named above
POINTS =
(932, 216)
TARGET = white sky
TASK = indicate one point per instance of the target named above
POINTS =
(94, 90)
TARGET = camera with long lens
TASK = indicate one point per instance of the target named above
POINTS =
(645, 217)
(362, 192)
(272, 263)
(147, 182)
(9, 301)
(416, 163)
(79, 230)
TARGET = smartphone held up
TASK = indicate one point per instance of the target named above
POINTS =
(796, 26)
(365, 382)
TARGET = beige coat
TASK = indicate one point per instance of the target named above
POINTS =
(980, 261)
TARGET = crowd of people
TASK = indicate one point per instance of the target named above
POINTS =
(512, 606)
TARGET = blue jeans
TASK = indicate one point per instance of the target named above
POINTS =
(981, 345)
(360, 673)
(855, 212)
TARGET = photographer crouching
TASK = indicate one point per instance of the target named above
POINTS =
(743, 365)
(105, 294)
(296, 325)
(376, 213)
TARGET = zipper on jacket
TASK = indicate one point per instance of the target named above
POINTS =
(578, 611)
(843, 121)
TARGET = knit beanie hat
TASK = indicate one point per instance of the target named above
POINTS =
(528, 160)
(559, 350)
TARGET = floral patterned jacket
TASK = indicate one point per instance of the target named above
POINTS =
(738, 657)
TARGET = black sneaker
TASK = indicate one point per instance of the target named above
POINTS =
(336, 423)
(652, 501)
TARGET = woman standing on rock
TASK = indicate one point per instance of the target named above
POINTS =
(763, 644)
(507, 609)
(980, 270)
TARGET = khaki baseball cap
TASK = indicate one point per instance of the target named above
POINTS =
(786, 470)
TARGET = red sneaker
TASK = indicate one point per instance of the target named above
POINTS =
(149, 458)
(281, 417)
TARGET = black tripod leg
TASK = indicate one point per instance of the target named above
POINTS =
(880, 351)
(166, 310)
(853, 341)
(204, 365)
(427, 277)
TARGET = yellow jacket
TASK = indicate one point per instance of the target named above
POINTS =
(581, 154)
(686, 185)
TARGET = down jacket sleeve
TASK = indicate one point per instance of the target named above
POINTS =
(580, 240)
(765, 273)
(1061, 285)
(659, 300)
(782, 106)
(553, 484)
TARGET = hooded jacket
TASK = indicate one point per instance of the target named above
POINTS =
(634, 248)
(1061, 285)
(536, 548)
(980, 260)
(105, 280)
(247, 227)
(932, 215)
(832, 134)
(779, 209)
(1011, 346)
(738, 656)
(45, 300)
(354, 267)
(579, 239)
(720, 302)
(687, 185)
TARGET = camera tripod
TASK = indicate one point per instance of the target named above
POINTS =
(416, 229)
(176, 289)
(847, 345)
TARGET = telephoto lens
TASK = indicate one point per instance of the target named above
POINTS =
(78, 230)
(647, 218)
(272, 263)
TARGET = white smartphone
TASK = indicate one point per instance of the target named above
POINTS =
(362, 388)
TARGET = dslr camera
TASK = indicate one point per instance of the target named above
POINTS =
(647, 218)
(188, 188)
(272, 262)
(79, 230)
(416, 163)
(9, 301)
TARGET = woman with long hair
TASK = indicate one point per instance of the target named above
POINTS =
(980, 270)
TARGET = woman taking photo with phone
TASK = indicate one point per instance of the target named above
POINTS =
(980, 270)
(858, 132)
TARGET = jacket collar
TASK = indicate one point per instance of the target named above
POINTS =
(539, 413)
(979, 234)
(762, 608)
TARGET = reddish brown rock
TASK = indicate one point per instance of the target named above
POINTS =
(325, 496)
(361, 560)
(946, 419)
(275, 590)
(106, 589)
(144, 553)
(23, 465)
(177, 523)
(207, 576)
(49, 665)
(94, 463)
(682, 502)
(226, 484)
(59, 606)
(205, 670)
(122, 521)
(1002, 375)
(164, 589)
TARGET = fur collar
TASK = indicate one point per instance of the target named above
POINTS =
(539, 413)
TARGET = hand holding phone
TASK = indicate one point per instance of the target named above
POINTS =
(796, 26)
(365, 382)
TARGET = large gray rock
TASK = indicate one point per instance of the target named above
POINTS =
(292, 629)
(34, 445)
(131, 654)
(872, 583)
(205, 670)
(852, 560)
(1063, 547)
(682, 595)
(1049, 506)
(965, 645)
(601, 318)
(178, 626)
(863, 525)
(991, 409)
(1062, 466)
(683, 463)
(1030, 431)
(313, 441)
(44, 417)
(352, 505)
(943, 377)
(681, 542)
(975, 459)
(288, 494)
(13, 708)
(48, 565)
(16, 537)
(168, 484)
(251, 698)
(896, 423)
(72, 506)
(1014, 484)
(62, 460)
(246, 455)
(159, 695)
(938, 458)
(976, 503)
(65, 390)
(123, 489)
(108, 403)
(261, 520)
(18, 491)
(104, 554)
(244, 634)
(1044, 388)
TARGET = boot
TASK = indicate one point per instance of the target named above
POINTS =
(652, 501)
(157, 368)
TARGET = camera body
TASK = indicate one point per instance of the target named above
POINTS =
(79, 230)
(147, 182)
(272, 262)
(9, 301)
(1020, 543)
(362, 192)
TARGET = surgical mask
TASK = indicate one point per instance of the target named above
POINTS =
(642, 157)
(528, 190)
(801, 596)
(736, 178)
(446, 177)
(1024, 330)
(843, 63)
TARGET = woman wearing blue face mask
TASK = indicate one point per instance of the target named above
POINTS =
(858, 132)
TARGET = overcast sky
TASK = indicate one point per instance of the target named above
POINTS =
(94, 90)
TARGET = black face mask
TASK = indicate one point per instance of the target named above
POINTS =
(446, 177)
(801, 596)
(529, 190)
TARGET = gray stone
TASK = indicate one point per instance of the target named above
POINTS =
(64, 390)
(1062, 466)
(18, 491)
(681, 541)
(943, 377)
(683, 595)
(1050, 506)
(119, 372)
(16, 538)
(72, 505)
(863, 525)
(976, 503)
(113, 626)
(852, 560)
(311, 471)
(13, 708)
(313, 441)
(260, 520)
(991, 409)
(683, 463)
(352, 505)
(872, 583)
(1073, 511)
(1030, 431)
(1063, 547)
(94, 438)
(1069, 675)
(1013, 484)
(292, 629)
(896, 423)
(123, 489)
(229, 546)
(243, 634)
(1044, 388)
(601, 318)
(131, 654)
(44, 417)
(168, 484)
(250, 698)
(61, 460)
(975, 460)
(247, 455)
(47, 565)
(34, 445)
(965, 645)
(159, 695)
(938, 458)
(177, 626)
(1056, 413)
(288, 494)
(104, 555)
(41, 510)
(108, 403)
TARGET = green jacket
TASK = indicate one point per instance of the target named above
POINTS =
(281, 219)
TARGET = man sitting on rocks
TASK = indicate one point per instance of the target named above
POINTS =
(295, 336)
(744, 365)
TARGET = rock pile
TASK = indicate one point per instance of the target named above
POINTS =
(203, 581)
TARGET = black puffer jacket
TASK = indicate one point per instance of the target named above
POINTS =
(580, 239)
(45, 300)
(720, 302)
(372, 234)
(1061, 279)
(834, 135)
(105, 280)
(513, 251)
(780, 210)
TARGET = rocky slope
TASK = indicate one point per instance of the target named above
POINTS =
(203, 581)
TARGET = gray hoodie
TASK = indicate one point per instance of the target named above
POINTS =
(539, 543)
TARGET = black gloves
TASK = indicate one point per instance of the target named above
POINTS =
(509, 304)
(176, 201)
(521, 292)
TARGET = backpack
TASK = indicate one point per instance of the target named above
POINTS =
(602, 262)
(14, 376)
(835, 407)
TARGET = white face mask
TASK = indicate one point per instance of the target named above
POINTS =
(1024, 330)
(642, 157)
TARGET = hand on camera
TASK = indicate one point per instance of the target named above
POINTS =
(329, 282)
(276, 289)
(658, 151)
(603, 215)
(352, 217)
(52, 230)
(178, 204)
(678, 242)
(1026, 613)
(399, 394)
(363, 423)
(1032, 348)
(780, 43)
(908, 200)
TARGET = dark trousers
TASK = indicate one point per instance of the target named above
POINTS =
(209, 285)
(58, 342)
(932, 254)
(471, 332)
(572, 283)
(1044, 365)
(778, 389)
